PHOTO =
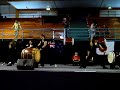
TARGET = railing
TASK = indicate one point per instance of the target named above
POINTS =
(84, 33)
(50, 33)
(58, 33)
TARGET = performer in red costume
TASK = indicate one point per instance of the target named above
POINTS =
(76, 58)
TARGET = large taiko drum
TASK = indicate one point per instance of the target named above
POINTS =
(31, 53)
(111, 57)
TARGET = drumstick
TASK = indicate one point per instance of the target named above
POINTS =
(101, 47)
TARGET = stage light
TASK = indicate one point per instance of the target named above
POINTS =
(48, 8)
(109, 7)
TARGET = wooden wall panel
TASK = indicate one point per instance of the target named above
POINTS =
(31, 28)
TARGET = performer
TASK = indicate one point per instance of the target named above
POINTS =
(92, 49)
(30, 44)
(76, 59)
(52, 53)
(102, 48)
(43, 46)
(116, 62)
(90, 54)
(12, 53)
(92, 31)
(106, 31)
(16, 26)
(102, 44)
(66, 23)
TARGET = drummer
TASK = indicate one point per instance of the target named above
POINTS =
(12, 53)
(43, 46)
(30, 44)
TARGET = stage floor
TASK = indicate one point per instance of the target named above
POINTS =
(65, 68)
(62, 77)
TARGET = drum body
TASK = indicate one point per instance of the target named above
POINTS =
(111, 57)
(69, 41)
(31, 53)
(36, 54)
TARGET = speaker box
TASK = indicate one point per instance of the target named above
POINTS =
(25, 64)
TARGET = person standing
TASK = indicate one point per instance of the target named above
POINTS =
(102, 45)
(16, 26)
(66, 23)
(52, 53)
(92, 32)
(106, 31)
(12, 53)
(43, 46)
(91, 52)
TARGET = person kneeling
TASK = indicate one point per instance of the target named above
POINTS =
(76, 59)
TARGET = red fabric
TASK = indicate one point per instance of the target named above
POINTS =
(74, 58)
(101, 40)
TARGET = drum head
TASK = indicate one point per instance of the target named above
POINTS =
(111, 57)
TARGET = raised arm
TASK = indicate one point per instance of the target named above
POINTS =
(39, 44)
(45, 44)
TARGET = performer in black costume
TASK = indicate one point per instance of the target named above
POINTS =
(43, 46)
(52, 53)
(12, 53)
(89, 55)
